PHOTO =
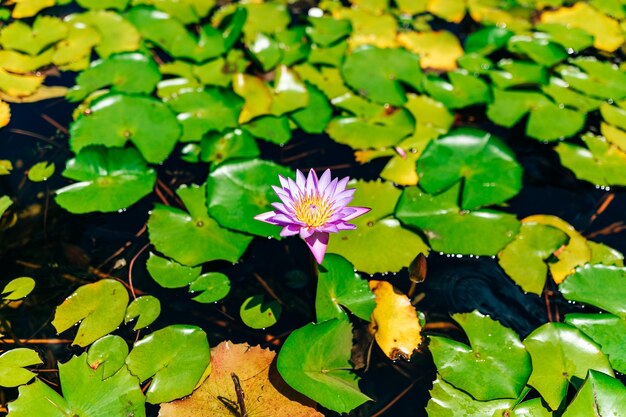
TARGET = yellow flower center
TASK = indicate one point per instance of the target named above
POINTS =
(314, 210)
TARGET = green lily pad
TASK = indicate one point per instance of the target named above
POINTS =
(539, 48)
(270, 128)
(108, 353)
(12, 364)
(332, 55)
(446, 401)
(212, 287)
(125, 73)
(327, 79)
(103, 4)
(510, 106)
(175, 357)
(6, 167)
(46, 31)
(257, 96)
(172, 36)
(18, 288)
(462, 90)
(550, 122)
(86, 393)
(487, 167)
(171, 274)
(606, 330)
(110, 180)
(193, 237)
(171, 87)
(589, 284)
(338, 285)
(41, 171)
(600, 395)
(265, 51)
(518, 74)
(605, 255)
(232, 26)
(5, 203)
(561, 93)
(208, 110)
(452, 230)
(595, 78)
(256, 313)
(368, 247)
(315, 116)
(185, 11)
(322, 371)
(382, 83)
(115, 119)
(494, 365)
(270, 17)
(75, 49)
(487, 40)
(475, 63)
(98, 307)
(217, 72)
(117, 34)
(238, 191)
(289, 92)
(325, 31)
(219, 147)
(145, 309)
(571, 38)
(561, 354)
(524, 259)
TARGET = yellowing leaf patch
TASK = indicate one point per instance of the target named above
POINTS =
(5, 113)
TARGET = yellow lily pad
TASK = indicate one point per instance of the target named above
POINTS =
(19, 63)
(516, 20)
(117, 33)
(394, 324)
(450, 10)
(438, 50)
(257, 96)
(76, 47)
(369, 29)
(43, 93)
(19, 85)
(45, 31)
(28, 8)
(5, 114)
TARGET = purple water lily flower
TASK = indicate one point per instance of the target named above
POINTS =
(313, 208)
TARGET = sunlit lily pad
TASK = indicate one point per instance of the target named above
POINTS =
(595, 78)
(28, 8)
(564, 96)
(98, 307)
(175, 357)
(561, 354)
(438, 50)
(538, 48)
(488, 168)
(289, 92)
(117, 34)
(125, 73)
(115, 119)
(109, 180)
(20, 63)
(103, 4)
(258, 313)
(377, 29)
(265, 51)
(170, 274)
(18, 288)
(46, 30)
(518, 74)
(382, 84)
(569, 37)
(452, 230)
(322, 371)
(238, 191)
(462, 90)
(589, 285)
(477, 368)
(109, 353)
(145, 309)
(74, 50)
(193, 237)
(601, 395)
(17, 86)
(212, 286)
(257, 96)
(12, 364)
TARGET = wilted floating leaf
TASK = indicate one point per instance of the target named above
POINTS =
(98, 307)
(264, 389)
(395, 324)
(41, 171)
(477, 368)
(12, 364)
(86, 393)
(125, 73)
(238, 191)
(212, 286)
(145, 309)
(595, 78)
(117, 34)
(598, 285)
(193, 237)
(600, 395)
(452, 230)
(515, 19)
(375, 231)
(18, 288)
(487, 167)
(257, 96)
(463, 89)
(438, 50)
(524, 259)
(170, 274)
(108, 353)
(382, 84)
(115, 119)
(256, 313)
(605, 30)
(110, 180)
(6, 166)
(576, 252)
(175, 357)
(338, 285)
(449, 10)
(17, 86)
(561, 354)
(538, 48)
(28, 8)
(322, 371)
(606, 330)
(270, 128)
(219, 147)
(46, 30)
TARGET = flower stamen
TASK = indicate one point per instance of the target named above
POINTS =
(314, 209)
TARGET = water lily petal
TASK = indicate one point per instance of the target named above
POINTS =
(266, 217)
(290, 230)
(318, 242)
(358, 211)
(324, 181)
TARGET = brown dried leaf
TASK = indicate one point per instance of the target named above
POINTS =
(266, 394)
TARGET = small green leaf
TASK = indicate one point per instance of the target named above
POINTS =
(325, 31)
(18, 288)
(463, 90)
(315, 360)
(255, 312)
(41, 171)
(600, 395)
(599, 285)
(315, 116)
(98, 307)
(338, 285)
(446, 401)
(270, 128)
(5, 203)
(487, 40)
(212, 286)
(12, 364)
(220, 147)
(568, 37)
(109, 353)
(170, 274)
(550, 122)
(595, 78)
(518, 73)
(175, 357)
(538, 48)
(146, 307)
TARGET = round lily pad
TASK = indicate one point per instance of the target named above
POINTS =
(238, 191)
(598, 285)
(41, 171)
(487, 167)
(462, 90)
(257, 313)
(109, 180)
(212, 286)
(109, 353)
(115, 119)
